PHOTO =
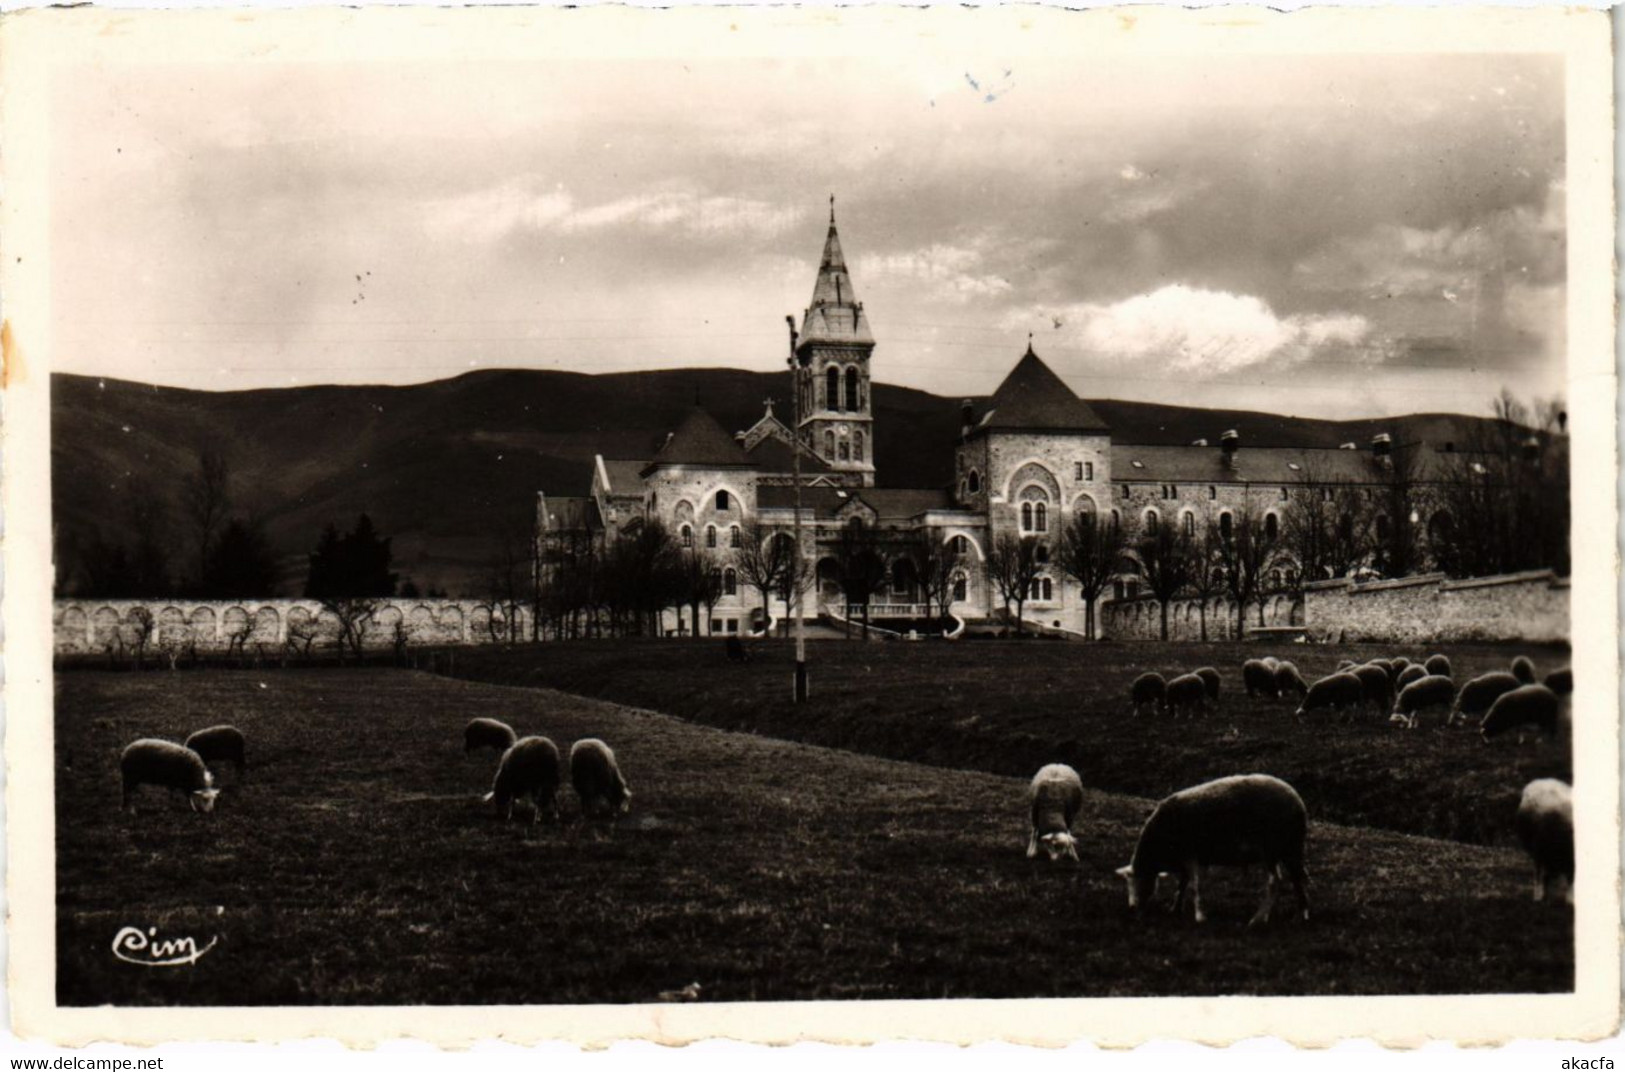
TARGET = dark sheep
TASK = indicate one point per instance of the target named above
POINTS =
(488, 733)
(1345, 664)
(150, 761)
(1527, 705)
(1545, 825)
(1259, 679)
(1288, 680)
(1236, 821)
(528, 769)
(1210, 677)
(1523, 668)
(221, 744)
(1057, 797)
(1382, 664)
(1335, 692)
(1148, 688)
(1478, 694)
(1437, 666)
(1435, 690)
(1376, 686)
(597, 779)
(1186, 691)
(1561, 681)
(1413, 672)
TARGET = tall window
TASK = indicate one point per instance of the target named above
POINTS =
(960, 545)
(1151, 522)
(960, 588)
(846, 452)
(1225, 525)
(722, 500)
(857, 446)
(1041, 553)
(688, 536)
(733, 536)
(730, 583)
(853, 402)
(1088, 470)
(1212, 492)
(1040, 517)
(1190, 524)
(1026, 517)
(1272, 526)
(1077, 470)
(710, 535)
(829, 443)
(974, 482)
(832, 389)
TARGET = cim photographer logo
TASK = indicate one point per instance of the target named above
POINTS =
(136, 946)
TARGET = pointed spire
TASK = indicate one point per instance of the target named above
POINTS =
(835, 314)
(1029, 352)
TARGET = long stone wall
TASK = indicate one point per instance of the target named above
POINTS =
(263, 626)
(1141, 618)
(1531, 606)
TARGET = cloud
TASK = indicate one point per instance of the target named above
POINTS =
(523, 206)
(951, 270)
(1202, 332)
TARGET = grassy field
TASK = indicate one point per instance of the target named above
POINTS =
(1008, 707)
(357, 865)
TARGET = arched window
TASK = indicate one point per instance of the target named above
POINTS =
(1212, 492)
(733, 535)
(1275, 578)
(1026, 517)
(1226, 525)
(845, 451)
(1190, 524)
(829, 442)
(1117, 520)
(730, 583)
(688, 535)
(1041, 553)
(1151, 522)
(1048, 589)
(1040, 517)
(832, 389)
(710, 535)
(974, 482)
(857, 446)
(722, 500)
(961, 588)
(960, 545)
(1272, 526)
(853, 402)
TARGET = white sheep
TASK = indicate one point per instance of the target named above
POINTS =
(1545, 825)
(150, 761)
(597, 779)
(1236, 821)
(488, 733)
(529, 768)
(221, 744)
(1057, 797)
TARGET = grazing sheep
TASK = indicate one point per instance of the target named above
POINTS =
(1345, 664)
(1210, 677)
(1435, 690)
(1258, 678)
(1148, 688)
(1545, 825)
(1437, 666)
(1235, 821)
(1478, 694)
(1526, 705)
(1413, 672)
(1524, 669)
(1287, 679)
(1561, 681)
(1186, 691)
(1381, 664)
(597, 778)
(1376, 686)
(1270, 661)
(1338, 692)
(1398, 664)
(1057, 797)
(488, 733)
(220, 744)
(150, 761)
(529, 768)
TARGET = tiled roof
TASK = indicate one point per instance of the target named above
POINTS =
(625, 475)
(887, 503)
(572, 513)
(700, 441)
(1033, 398)
(773, 455)
(1257, 465)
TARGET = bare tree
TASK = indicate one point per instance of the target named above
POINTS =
(1012, 566)
(1207, 575)
(206, 498)
(702, 584)
(1247, 552)
(353, 614)
(935, 564)
(1164, 559)
(1091, 553)
(862, 565)
(764, 560)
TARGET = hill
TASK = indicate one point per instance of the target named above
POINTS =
(447, 467)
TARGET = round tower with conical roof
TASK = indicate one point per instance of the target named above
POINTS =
(834, 349)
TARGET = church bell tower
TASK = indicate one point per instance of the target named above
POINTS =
(836, 419)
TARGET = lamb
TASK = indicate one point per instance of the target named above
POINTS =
(150, 761)
(1057, 797)
(1545, 825)
(1338, 691)
(1148, 688)
(1437, 666)
(1412, 672)
(1258, 678)
(1526, 705)
(218, 744)
(488, 733)
(597, 778)
(1478, 694)
(1186, 691)
(1523, 668)
(1287, 679)
(1236, 821)
(1561, 681)
(1210, 677)
(1435, 690)
(529, 768)
(1378, 689)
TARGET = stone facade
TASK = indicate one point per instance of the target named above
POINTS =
(1531, 606)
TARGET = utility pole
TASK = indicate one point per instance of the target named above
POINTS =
(796, 579)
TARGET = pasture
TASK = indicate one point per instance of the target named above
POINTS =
(357, 864)
(1009, 707)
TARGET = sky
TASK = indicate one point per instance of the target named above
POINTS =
(1326, 236)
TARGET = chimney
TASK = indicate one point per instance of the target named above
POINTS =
(1229, 442)
(1382, 449)
(1198, 442)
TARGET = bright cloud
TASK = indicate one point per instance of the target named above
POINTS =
(488, 214)
(952, 269)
